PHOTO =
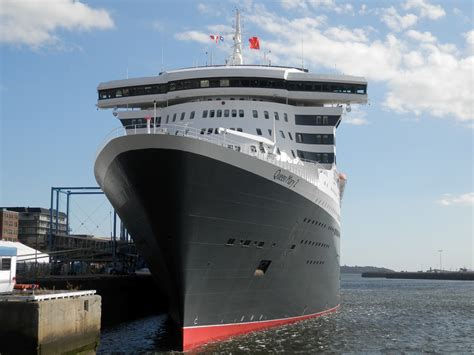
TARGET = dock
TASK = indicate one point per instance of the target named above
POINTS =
(50, 322)
(442, 275)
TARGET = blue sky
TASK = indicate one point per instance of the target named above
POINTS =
(408, 154)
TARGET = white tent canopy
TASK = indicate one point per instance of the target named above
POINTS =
(25, 253)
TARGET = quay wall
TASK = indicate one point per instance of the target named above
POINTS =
(124, 297)
(50, 326)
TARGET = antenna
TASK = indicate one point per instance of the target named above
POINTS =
(237, 54)
(302, 54)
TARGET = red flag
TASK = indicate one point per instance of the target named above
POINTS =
(254, 43)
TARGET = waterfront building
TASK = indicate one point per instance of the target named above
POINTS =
(34, 224)
(8, 225)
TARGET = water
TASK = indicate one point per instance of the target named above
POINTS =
(376, 315)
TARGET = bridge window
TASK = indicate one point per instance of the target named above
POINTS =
(219, 113)
(255, 113)
(6, 264)
(192, 115)
(182, 116)
(209, 130)
(234, 113)
(324, 158)
(167, 118)
(285, 117)
(212, 113)
(174, 117)
(276, 116)
(226, 113)
(270, 132)
(224, 82)
(204, 114)
(309, 138)
(282, 134)
(265, 113)
(204, 83)
(241, 113)
(259, 131)
(314, 120)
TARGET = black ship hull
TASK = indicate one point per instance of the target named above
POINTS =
(235, 251)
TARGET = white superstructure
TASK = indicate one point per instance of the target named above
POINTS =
(282, 115)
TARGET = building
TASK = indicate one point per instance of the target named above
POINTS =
(8, 225)
(34, 224)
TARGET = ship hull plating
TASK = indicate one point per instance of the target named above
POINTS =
(235, 250)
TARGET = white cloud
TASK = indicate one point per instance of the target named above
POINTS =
(421, 74)
(193, 36)
(328, 5)
(207, 9)
(466, 199)
(426, 9)
(421, 36)
(469, 36)
(343, 34)
(397, 22)
(34, 22)
(357, 117)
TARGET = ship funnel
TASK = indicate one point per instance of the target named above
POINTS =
(237, 54)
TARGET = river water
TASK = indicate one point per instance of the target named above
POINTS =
(376, 315)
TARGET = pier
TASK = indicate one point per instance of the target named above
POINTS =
(442, 275)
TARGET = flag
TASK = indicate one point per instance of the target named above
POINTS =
(216, 38)
(254, 43)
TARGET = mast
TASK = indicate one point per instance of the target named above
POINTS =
(237, 55)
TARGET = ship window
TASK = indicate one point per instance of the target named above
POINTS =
(241, 113)
(224, 82)
(293, 246)
(219, 113)
(265, 113)
(182, 116)
(174, 117)
(192, 115)
(209, 130)
(260, 244)
(285, 116)
(167, 118)
(262, 267)
(299, 138)
(204, 114)
(259, 131)
(203, 130)
(325, 139)
(226, 113)
(231, 241)
(289, 135)
(276, 116)
(246, 243)
(255, 113)
(293, 153)
(325, 120)
(282, 134)
(212, 113)
(216, 131)
(278, 151)
(253, 149)
(234, 113)
(239, 129)
(270, 132)
(204, 83)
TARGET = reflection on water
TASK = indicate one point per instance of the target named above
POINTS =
(376, 315)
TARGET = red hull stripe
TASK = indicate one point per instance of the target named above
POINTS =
(196, 336)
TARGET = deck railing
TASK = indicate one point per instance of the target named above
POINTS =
(307, 170)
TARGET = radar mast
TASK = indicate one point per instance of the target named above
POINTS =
(237, 55)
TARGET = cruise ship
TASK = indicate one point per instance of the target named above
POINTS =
(225, 176)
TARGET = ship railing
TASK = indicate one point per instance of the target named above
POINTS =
(307, 170)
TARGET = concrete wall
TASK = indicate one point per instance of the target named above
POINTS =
(50, 327)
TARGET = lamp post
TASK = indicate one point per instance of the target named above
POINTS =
(440, 260)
